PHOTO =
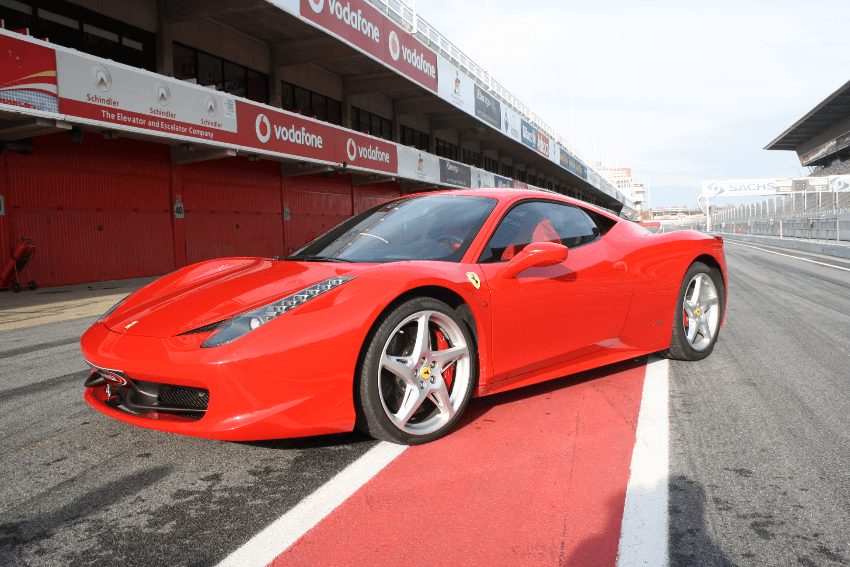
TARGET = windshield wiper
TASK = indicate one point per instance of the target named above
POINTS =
(319, 259)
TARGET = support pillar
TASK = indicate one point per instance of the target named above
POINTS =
(164, 42)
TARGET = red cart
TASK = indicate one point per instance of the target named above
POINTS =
(10, 278)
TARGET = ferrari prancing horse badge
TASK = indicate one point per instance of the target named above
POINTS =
(473, 279)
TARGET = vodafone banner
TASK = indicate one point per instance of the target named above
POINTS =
(279, 132)
(364, 27)
(102, 91)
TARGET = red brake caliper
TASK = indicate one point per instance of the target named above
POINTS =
(443, 344)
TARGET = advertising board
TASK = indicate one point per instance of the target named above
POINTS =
(361, 25)
(418, 165)
(528, 135)
(499, 181)
(487, 108)
(571, 164)
(481, 178)
(511, 124)
(455, 87)
(455, 173)
(739, 187)
(283, 133)
(104, 92)
(27, 75)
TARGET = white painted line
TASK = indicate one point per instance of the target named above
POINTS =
(261, 549)
(643, 539)
(789, 255)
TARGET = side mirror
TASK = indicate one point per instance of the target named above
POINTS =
(536, 254)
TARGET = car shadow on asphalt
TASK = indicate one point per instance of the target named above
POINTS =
(315, 442)
(688, 543)
(478, 407)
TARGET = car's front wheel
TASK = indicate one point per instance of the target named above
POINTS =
(699, 313)
(417, 374)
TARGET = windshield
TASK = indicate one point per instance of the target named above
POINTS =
(425, 227)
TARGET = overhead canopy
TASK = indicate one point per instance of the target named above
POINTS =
(832, 110)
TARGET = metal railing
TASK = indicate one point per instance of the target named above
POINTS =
(427, 35)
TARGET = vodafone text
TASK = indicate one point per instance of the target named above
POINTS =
(292, 134)
(355, 20)
(418, 61)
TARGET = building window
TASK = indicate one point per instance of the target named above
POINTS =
(520, 176)
(471, 158)
(532, 179)
(226, 76)
(491, 165)
(507, 171)
(415, 138)
(445, 149)
(309, 103)
(86, 31)
(372, 124)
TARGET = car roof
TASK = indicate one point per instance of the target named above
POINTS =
(508, 194)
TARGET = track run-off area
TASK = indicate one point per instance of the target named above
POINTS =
(739, 459)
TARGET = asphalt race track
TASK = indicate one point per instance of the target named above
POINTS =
(760, 430)
(759, 458)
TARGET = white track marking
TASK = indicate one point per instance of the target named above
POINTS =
(261, 549)
(643, 539)
(789, 255)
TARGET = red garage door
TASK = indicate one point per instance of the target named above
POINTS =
(232, 208)
(315, 205)
(97, 211)
(367, 196)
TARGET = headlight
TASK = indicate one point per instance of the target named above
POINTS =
(244, 323)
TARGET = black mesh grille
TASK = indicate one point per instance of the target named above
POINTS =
(183, 397)
(204, 329)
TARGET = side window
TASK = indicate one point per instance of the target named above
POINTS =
(539, 221)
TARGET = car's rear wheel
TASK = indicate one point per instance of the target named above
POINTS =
(417, 374)
(699, 312)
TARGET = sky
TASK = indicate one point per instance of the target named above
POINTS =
(681, 92)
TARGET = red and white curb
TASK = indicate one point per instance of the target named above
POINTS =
(643, 539)
(283, 532)
(570, 472)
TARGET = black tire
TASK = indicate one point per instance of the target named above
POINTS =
(680, 348)
(372, 414)
(32, 285)
(16, 287)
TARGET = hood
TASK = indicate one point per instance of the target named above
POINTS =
(212, 291)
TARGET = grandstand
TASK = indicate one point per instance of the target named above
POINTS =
(817, 206)
(821, 138)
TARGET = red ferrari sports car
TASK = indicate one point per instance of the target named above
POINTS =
(395, 318)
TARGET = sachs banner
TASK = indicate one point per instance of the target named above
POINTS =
(279, 132)
(364, 27)
(107, 92)
(27, 74)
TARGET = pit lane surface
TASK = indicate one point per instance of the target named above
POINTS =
(758, 451)
(760, 430)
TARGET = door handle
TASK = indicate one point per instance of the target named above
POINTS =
(620, 266)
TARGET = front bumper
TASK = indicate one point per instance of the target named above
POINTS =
(255, 389)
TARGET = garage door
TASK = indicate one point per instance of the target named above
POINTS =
(232, 208)
(97, 211)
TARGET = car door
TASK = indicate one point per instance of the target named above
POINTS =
(547, 316)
